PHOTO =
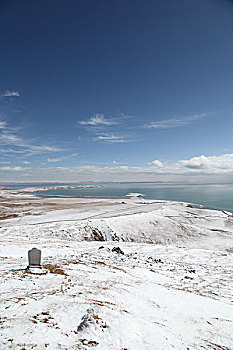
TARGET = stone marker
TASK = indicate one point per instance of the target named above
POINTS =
(34, 258)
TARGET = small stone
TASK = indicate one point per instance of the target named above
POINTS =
(117, 250)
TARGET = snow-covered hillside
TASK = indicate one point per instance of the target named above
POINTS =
(153, 222)
(135, 275)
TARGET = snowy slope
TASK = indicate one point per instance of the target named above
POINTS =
(174, 293)
(166, 223)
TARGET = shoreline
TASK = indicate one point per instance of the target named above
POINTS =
(41, 194)
(23, 205)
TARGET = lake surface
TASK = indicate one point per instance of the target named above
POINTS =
(212, 196)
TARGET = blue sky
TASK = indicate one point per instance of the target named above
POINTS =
(121, 90)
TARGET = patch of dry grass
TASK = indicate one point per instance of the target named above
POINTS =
(55, 269)
(8, 216)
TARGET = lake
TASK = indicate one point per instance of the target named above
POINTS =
(214, 196)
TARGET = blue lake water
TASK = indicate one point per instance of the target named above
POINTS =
(211, 196)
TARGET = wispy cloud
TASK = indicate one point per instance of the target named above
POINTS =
(10, 94)
(109, 130)
(42, 148)
(176, 122)
(9, 137)
(3, 125)
(11, 150)
(59, 159)
(110, 139)
(98, 119)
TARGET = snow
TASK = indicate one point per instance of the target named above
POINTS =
(27, 190)
(171, 289)
(134, 194)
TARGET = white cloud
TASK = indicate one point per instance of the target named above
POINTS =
(203, 169)
(98, 119)
(176, 122)
(8, 137)
(41, 148)
(11, 150)
(156, 163)
(214, 163)
(12, 168)
(54, 160)
(107, 130)
(3, 125)
(110, 139)
(10, 94)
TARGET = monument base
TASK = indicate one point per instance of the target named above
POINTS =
(34, 266)
(36, 270)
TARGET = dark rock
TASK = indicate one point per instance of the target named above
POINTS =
(117, 250)
(158, 261)
(97, 235)
(89, 342)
